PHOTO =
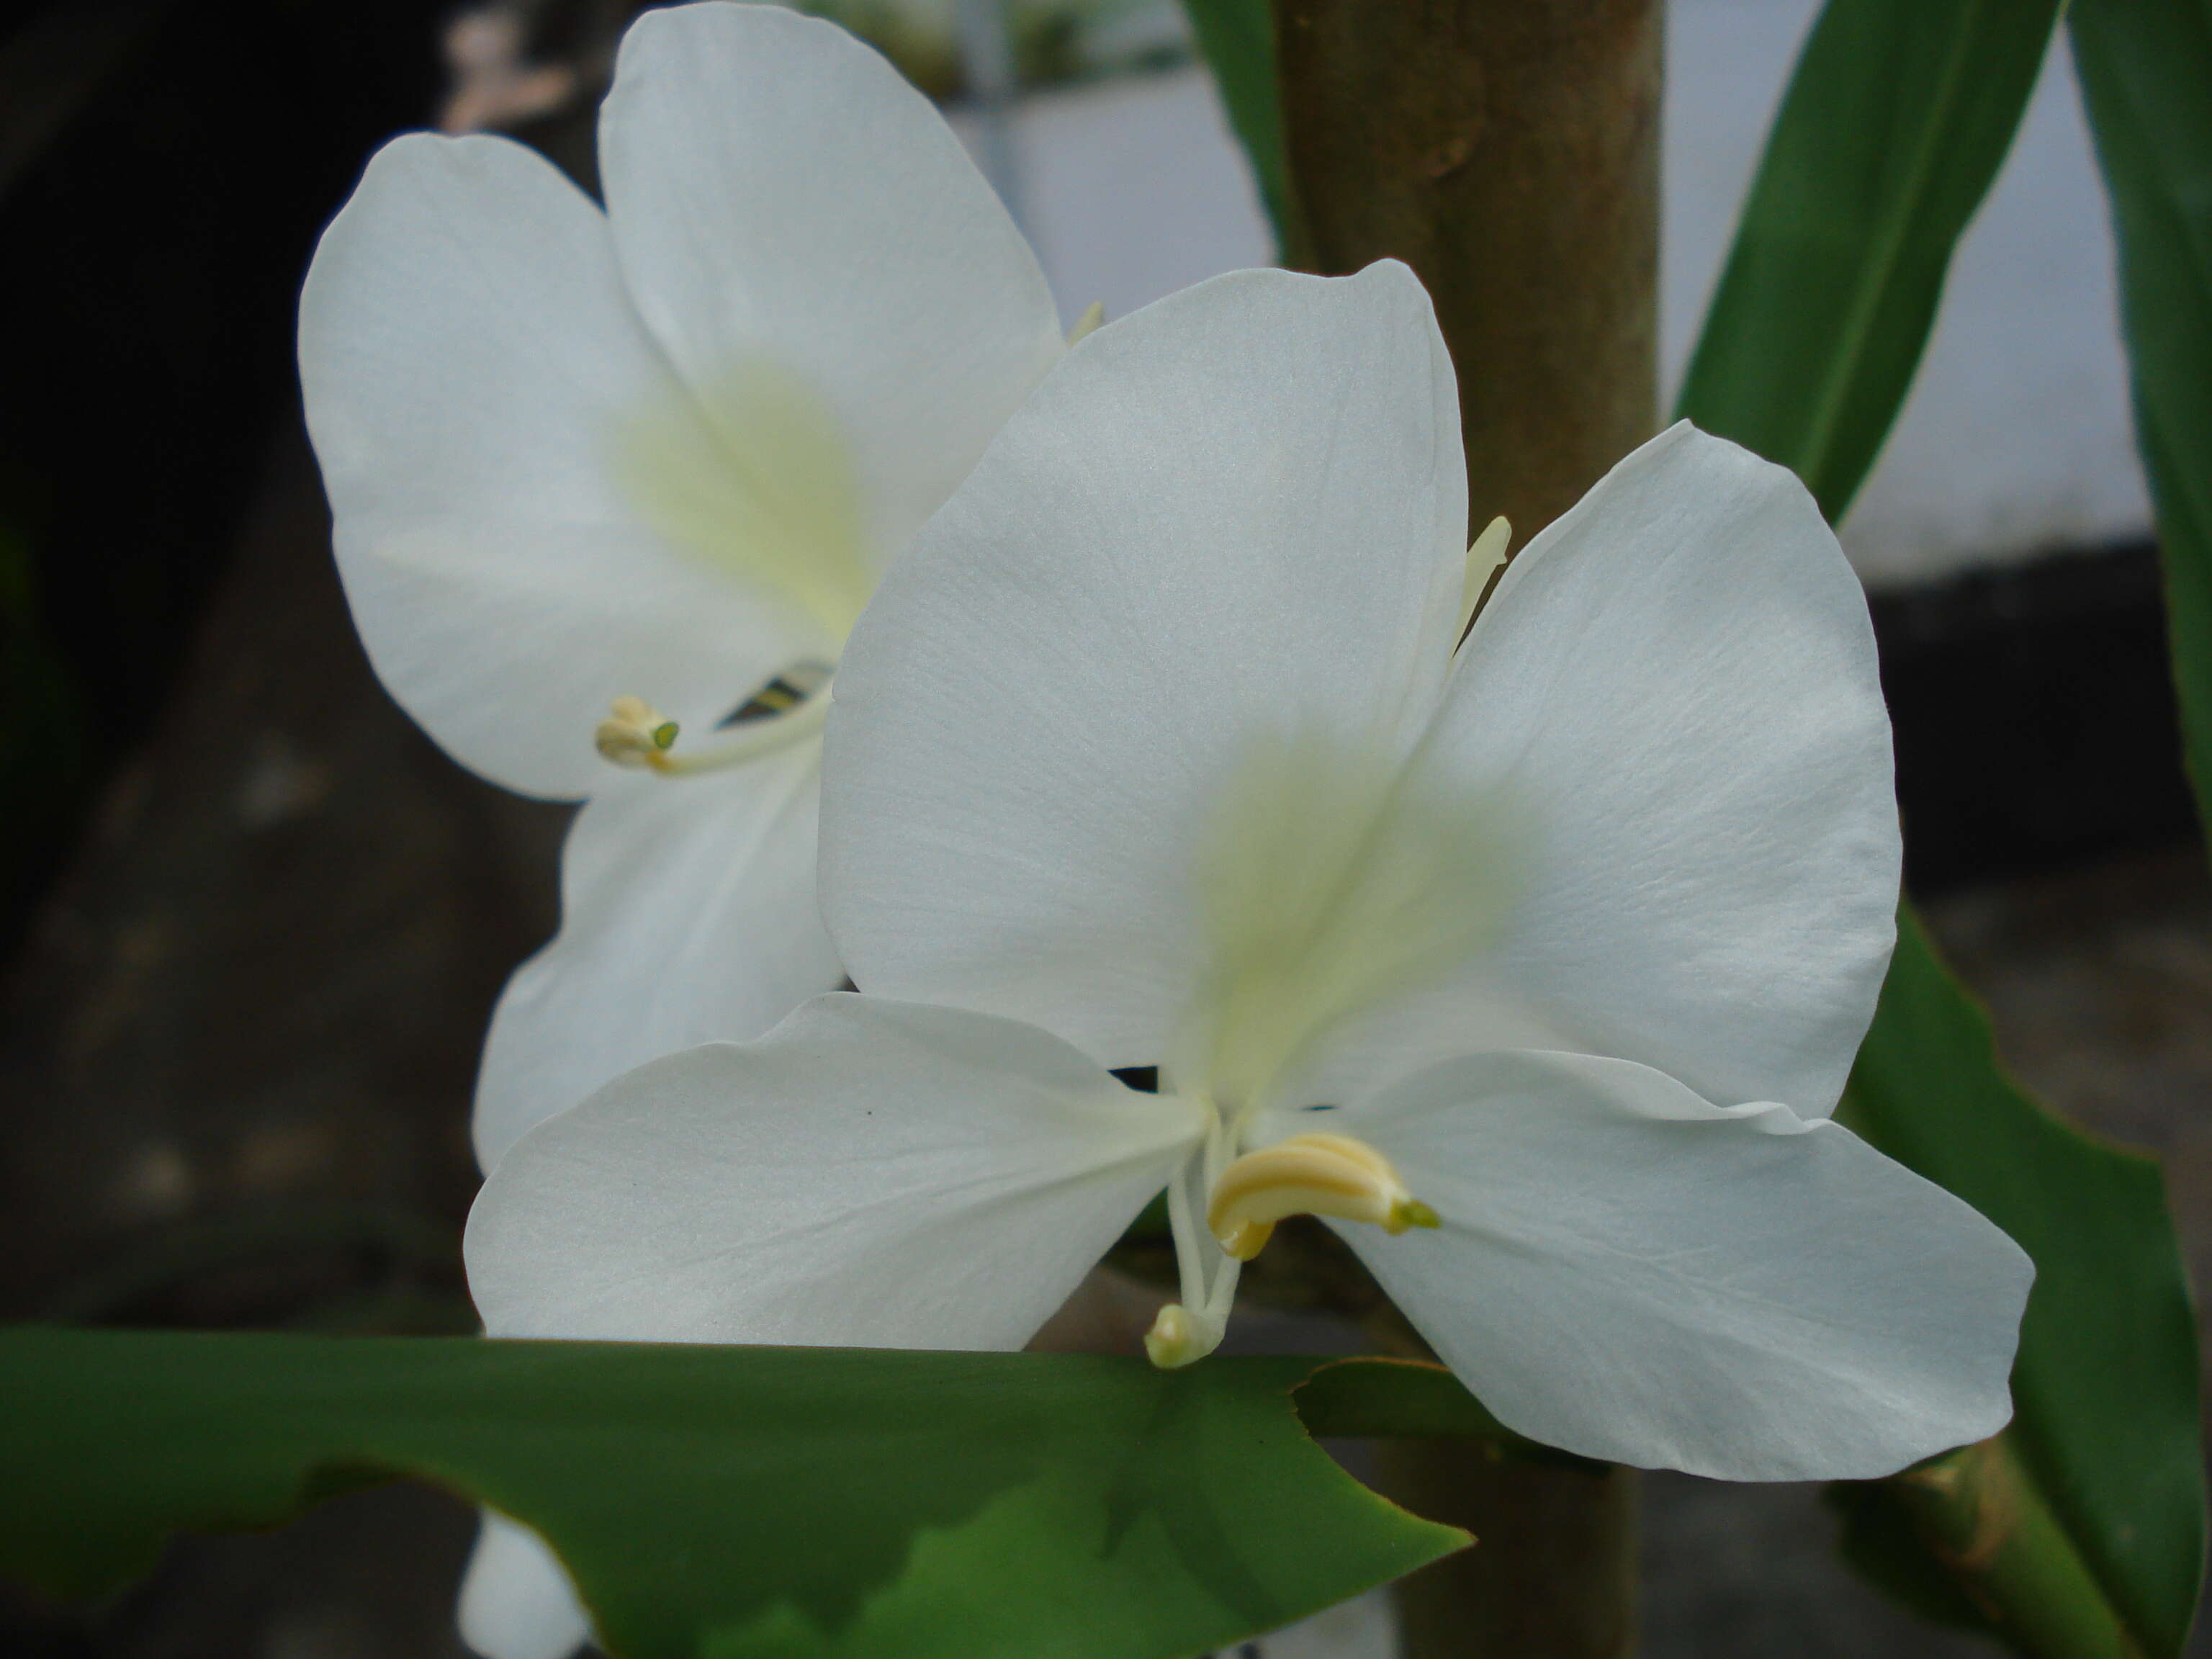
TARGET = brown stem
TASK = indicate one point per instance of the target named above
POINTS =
(1508, 150)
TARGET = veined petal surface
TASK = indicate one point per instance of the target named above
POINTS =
(1231, 522)
(778, 191)
(471, 361)
(874, 1174)
(689, 916)
(516, 1600)
(1628, 1272)
(1674, 687)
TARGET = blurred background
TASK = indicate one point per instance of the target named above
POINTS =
(253, 922)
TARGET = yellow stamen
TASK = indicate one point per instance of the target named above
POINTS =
(1087, 324)
(636, 733)
(1307, 1175)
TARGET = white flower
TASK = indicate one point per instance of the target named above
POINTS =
(1536, 968)
(658, 454)
(588, 467)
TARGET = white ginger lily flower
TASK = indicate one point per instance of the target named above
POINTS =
(1535, 969)
(608, 475)
(588, 466)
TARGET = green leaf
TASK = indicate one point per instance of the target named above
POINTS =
(2145, 73)
(1238, 39)
(1894, 124)
(2106, 1404)
(734, 1502)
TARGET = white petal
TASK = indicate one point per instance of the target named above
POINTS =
(1675, 684)
(470, 361)
(1630, 1273)
(689, 916)
(873, 1174)
(778, 193)
(1229, 523)
(516, 1600)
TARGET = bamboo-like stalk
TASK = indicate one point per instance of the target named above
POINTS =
(1507, 151)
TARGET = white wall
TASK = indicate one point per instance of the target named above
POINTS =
(2016, 438)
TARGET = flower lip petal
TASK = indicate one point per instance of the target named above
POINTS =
(870, 1173)
(1630, 1273)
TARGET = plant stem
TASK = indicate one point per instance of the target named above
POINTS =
(1508, 150)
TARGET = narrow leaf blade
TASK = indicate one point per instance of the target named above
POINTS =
(1237, 38)
(2145, 73)
(1894, 124)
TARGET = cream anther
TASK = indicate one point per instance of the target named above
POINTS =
(638, 734)
(1483, 558)
(1087, 324)
(1308, 1174)
(635, 733)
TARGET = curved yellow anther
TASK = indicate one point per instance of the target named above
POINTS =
(1308, 1174)
(635, 733)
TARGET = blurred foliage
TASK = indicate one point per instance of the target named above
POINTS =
(1895, 123)
(2105, 1439)
(1238, 39)
(2145, 73)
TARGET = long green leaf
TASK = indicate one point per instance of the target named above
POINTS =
(1238, 39)
(2105, 1392)
(1895, 122)
(2146, 71)
(743, 1501)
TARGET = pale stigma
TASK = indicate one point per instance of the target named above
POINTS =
(1483, 558)
(1308, 1174)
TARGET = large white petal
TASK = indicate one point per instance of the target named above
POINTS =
(778, 193)
(1228, 525)
(873, 1174)
(1632, 1273)
(689, 916)
(470, 362)
(516, 1600)
(1674, 688)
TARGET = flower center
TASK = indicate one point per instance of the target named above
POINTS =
(1320, 1175)
(636, 734)
(1308, 1174)
(751, 476)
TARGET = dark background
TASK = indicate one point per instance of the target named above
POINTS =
(253, 922)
